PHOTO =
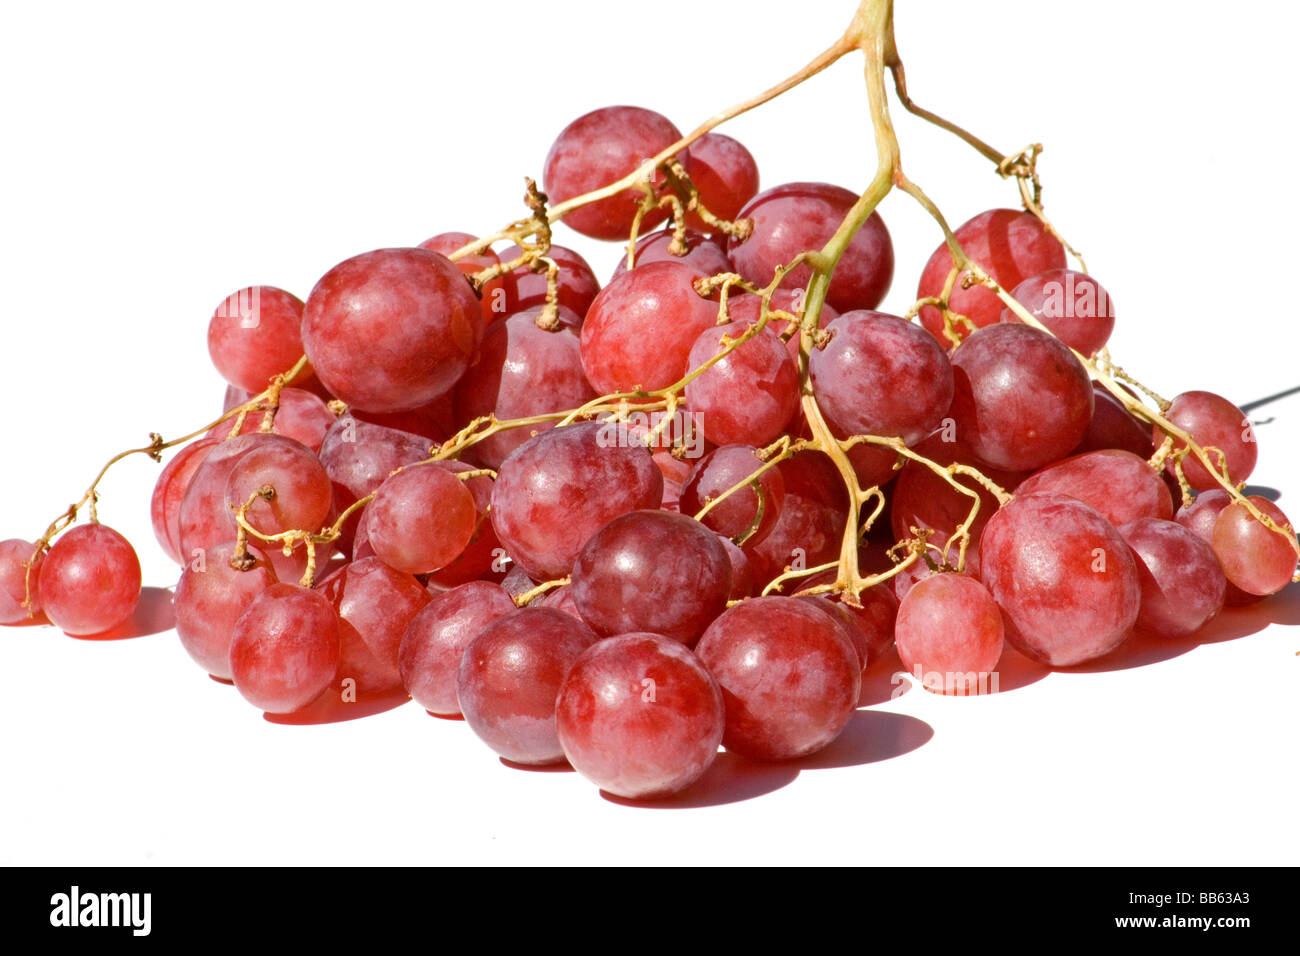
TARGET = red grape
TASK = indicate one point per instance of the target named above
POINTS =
(1119, 484)
(1254, 558)
(600, 148)
(622, 583)
(704, 256)
(577, 285)
(436, 638)
(510, 677)
(738, 514)
(1072, 305)
(14, 555)
(256, 334)
(639, 331)
(285, 648)
(749, 396)
(1182, 584)
(169, 491)
(303, 496)
(561, 486)
(1214, 423)
(790, 678)
(210, 598)
(639, 716)
(494, 298)
(949, 631)
(90, 580)
(379, 603)
(409, 311)
(1021, 399)
(1064, 577)
(798, 217)
(1008, 244)
(302, 416)
(726, 176)
(421, 520)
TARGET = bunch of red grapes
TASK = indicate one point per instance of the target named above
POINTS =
(604, 523)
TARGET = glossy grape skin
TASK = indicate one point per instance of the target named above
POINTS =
(14, 553)
(726, 176)
(1009, 244)
(652, 571)
(881, 376)
(812, 518)
(210, 598)
(1063, 576)
(89, 580)
(521, 371)
(509, 679)
(747, 397)
(169, 491)
(204, 519)
(421, 520)
(797, 217)
(639, 331)
(737, 515)
(1113, 426)
(303, 496)
(1021, 400)
(561, 486)
(481, 555)
(704, 256)
(949, 631)
(922, 499)
(256, 334)
(1118, 484)
(1072, 305)
(285, 648)
(435, 420)
(358, 456)
(1211, 420)
(1199, 517)
(379, 603)
(874, 616)
(599, 148)
(743, 584)
(1182, 584)
(1254, 558)
(435, 640)
(302, 416)
(409, 311)
(495, 296)
(746, 307)
(639, 716)
(790, 679)
(576, 284)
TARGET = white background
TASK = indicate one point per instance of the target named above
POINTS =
(157, 157)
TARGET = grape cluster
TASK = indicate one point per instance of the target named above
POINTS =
(625, 524)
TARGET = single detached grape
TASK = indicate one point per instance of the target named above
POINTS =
(90, 580)
(639, 716)
(652, 571)
(285, 648)
(790, 678)
(949, 631)
(509, 679)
